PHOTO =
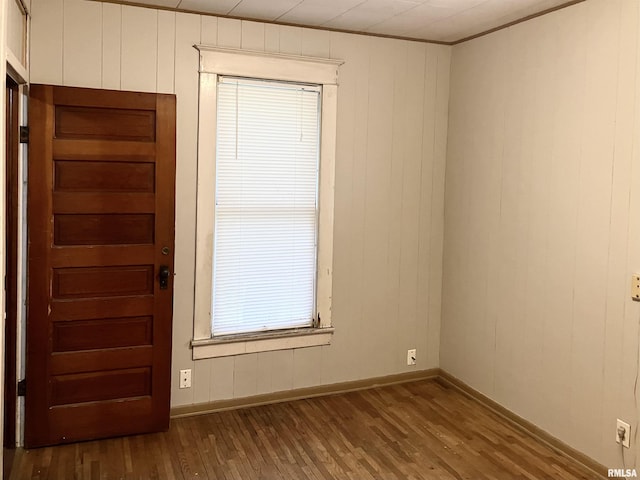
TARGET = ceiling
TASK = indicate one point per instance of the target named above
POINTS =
(435, 20)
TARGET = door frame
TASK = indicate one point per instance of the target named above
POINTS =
(12, 100)
(15, 73)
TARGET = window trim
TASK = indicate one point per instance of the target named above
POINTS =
(260, 342)
(216, 61)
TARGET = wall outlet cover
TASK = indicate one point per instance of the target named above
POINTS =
(185, 378)
(627, 436)
(411, 356)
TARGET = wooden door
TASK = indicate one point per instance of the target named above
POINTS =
(101, 232)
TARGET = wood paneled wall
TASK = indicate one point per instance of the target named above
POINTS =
(389, 193)
(542, 229)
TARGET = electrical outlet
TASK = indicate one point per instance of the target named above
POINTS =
(635, 287)
(185, 378)
(411, 356)
(623, 432)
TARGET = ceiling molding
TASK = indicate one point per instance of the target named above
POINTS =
(516, 22)
(354, 32)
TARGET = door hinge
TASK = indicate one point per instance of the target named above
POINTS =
(22, 387)
(24, 134)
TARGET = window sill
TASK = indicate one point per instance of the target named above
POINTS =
(260, 342)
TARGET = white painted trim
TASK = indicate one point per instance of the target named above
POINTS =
(326, 193)
(21, 290)
(205, 205)
(217, 61)
(15, 69)
(210, 348)
(3, 102)
(273, 66)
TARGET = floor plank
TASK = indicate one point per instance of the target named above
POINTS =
(418, 430)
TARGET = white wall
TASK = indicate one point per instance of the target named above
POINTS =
(542, 228)
(392, 128)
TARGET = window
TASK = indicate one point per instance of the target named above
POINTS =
(265, 202)
(264, 258)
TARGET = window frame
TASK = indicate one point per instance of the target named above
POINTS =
(215, 61)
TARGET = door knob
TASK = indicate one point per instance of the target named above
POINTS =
(164, 277)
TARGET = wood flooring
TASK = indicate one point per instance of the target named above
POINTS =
(418, 430)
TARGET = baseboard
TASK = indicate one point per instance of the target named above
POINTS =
(527, 427)
(302, 393)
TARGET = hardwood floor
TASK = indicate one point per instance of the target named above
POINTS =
(8, 455)
(418, 430)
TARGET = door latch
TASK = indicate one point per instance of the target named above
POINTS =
(164, 277)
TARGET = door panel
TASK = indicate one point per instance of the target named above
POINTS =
(108, 177)
(105, 124)
(103, 333)
(101, 210)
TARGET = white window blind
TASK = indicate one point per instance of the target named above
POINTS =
(266, 193)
